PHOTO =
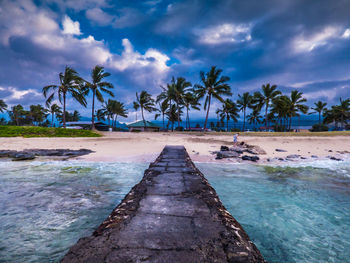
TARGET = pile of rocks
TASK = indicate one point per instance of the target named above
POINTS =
(237, 151)
(31, 154)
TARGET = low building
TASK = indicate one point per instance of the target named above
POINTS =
(86, 125)
(140, 126)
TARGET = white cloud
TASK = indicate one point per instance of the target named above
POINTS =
(70, 27)
(99, 16)
(304, 43)
(346, 33)
(224, 34)
(133, 59)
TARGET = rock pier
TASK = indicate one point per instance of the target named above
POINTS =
(172, 215)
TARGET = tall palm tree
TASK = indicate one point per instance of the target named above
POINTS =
(265, 98)
(243, 102)
(254, 118)
(228, 111)
(146, 102)
(136, 107)
(118, 109)
(281, 106)
(107, 110)
(97, 86)
(17, 113)
(3, 106)
(320, 107)
(54, 109)
(297, 105)
(163, 107)
(172, 114)
(181, 87)
(168, 95)
(70, 83)
(213, 86)
(190, 101)
(338, 113)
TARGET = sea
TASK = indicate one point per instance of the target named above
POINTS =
(295, 212)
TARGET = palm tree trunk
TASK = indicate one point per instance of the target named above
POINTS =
(163, 119)
(136, 115)
(243, 119)
(178, 115)
(188, 120)
(206, 118)
(143, 118)
(93, 109)
(267, 106)
(64, 110)
(319, 118)
(52, 119)
(227, 123)
(109, 121)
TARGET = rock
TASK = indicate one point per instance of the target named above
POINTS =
(21, 156)
(280, 159)
(330, 151)
(252, 151)
(224, 148)
(226, 154)
(250, 158)
(281, 150)
(314, 156)
(237, 150)
(302, 157)
(335, 158)
(7, 153)
(293, 156)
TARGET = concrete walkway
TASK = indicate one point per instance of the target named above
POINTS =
(172, 215)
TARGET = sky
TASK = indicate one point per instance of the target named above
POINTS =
(295, 44)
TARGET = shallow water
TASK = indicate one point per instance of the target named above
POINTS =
(45, 207)
(295, 213)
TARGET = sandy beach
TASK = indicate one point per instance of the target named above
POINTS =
(145, 147)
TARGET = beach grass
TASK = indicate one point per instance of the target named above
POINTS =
(32, 131)
(275, 134)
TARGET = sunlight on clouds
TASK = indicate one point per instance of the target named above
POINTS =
(308, 44)
(225, 33)
(133, 59)
(70, 27)
(346, 33)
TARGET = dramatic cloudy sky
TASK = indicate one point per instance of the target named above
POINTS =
(300, 44)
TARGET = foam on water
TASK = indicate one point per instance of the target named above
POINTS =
(294, 213)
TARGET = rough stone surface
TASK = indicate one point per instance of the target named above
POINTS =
(280, 150)
(30, 154)
(172, 215)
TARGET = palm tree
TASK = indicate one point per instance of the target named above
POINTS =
(172, 114)
(338, 113)
(297, 105)
(146, 102)
(254, 118)
(136, 107)
(168, 95)
(3, 106)
(118, 109)
(320, 107)
(163, 107)
(97, 86)
(17, 113)
(190, 100)
(181, 87)
(228, 111)
(243, 102)
(70, 83)
(37, 114)
(265, 98)
(213, 85)
(54, 109)
(107, 110)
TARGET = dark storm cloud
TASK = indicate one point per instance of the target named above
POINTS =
(294, 44)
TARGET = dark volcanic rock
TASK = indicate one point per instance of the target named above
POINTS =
(237, 149)
(335, 158)
(280, 150)
(224, 148)
(225, 154)
(22, 156)
(30, 154)
(293, 156)
(172, 215)
(314, 156)
(250, 158)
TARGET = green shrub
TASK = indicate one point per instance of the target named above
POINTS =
(319, 128)
(31, 131)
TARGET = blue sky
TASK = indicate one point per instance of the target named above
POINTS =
(292, 43)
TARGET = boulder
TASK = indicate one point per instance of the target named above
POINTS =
(293, 156)
(250, 158)
(238, 150)
(314, 156)
(224, 148)
(335, 158)
(281, 150)
(226, 154)
(22, 156)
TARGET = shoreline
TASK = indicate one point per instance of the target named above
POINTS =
(145, 147)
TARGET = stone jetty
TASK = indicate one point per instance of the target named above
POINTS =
(172, 215)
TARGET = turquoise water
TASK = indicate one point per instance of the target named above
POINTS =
(45, 207)
(296, 213)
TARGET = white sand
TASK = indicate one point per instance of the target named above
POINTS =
(145, 147)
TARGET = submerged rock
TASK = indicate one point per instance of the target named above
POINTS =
(23, 156)
(280, 150)
(250, 158)
(30, 154)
